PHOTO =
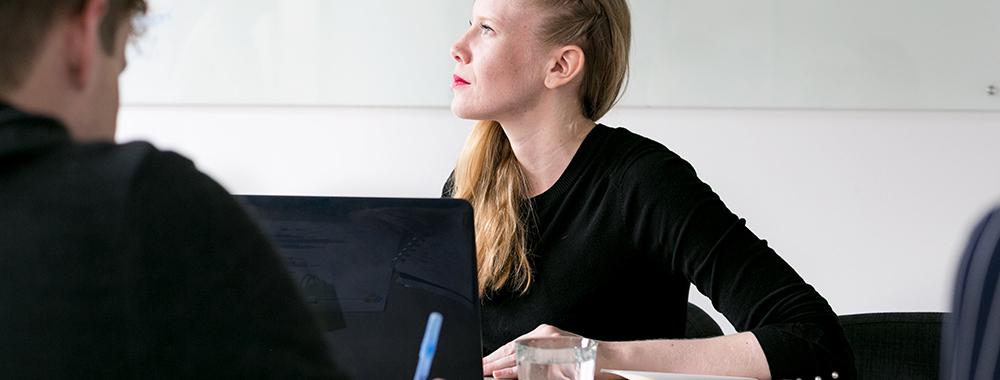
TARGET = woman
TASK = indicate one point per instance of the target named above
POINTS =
(599, 231)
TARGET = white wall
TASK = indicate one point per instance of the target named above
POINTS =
(898, 54)
(872, 208)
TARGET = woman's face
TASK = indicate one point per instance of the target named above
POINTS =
(500, 63)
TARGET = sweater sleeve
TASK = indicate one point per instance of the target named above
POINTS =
(678, 221)
(212, 295)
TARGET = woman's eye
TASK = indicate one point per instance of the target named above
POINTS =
(486, 28)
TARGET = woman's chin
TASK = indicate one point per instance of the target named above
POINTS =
(462, 111)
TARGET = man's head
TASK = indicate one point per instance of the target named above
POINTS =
(62, 58)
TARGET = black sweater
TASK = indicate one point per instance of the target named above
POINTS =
(122, 261)
(616, 242)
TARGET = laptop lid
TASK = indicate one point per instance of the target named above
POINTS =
(374, 269)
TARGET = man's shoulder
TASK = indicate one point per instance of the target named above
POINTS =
(98, 169)
(122, 165)
(122, 158)
(116, 168)
(115, 178)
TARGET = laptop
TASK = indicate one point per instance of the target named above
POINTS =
(374, 269)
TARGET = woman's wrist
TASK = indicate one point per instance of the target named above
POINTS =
(610, 355)
(650, 355)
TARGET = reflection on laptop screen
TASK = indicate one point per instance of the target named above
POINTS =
(373, 269)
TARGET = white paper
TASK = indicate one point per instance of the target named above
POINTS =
(639, 375)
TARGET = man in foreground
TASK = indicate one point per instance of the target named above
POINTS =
(122, 260)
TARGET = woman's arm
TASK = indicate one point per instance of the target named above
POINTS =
(733, 355)
(679, 222)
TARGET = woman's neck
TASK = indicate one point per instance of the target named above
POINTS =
(545, 143)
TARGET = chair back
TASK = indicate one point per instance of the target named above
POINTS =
(895, 345)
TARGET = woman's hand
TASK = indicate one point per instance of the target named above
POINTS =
(502, 363)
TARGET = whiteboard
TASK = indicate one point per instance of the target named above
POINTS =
(812, 54)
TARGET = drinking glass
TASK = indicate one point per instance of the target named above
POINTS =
(556, 358)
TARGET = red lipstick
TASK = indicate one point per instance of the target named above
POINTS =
(457, 81)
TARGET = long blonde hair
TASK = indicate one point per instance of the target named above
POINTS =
(488, 174)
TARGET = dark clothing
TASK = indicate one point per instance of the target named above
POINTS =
(122, 261)
(620, 236)
(971, 345)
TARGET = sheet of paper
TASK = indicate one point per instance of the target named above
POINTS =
(639, 375)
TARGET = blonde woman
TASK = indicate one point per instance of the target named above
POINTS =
(594, 230)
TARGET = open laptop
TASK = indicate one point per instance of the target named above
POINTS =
(374, 269)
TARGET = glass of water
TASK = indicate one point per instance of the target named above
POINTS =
(562, 358)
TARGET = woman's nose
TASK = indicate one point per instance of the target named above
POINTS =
(459, 53)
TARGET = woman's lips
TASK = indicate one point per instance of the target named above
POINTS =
(457, 81)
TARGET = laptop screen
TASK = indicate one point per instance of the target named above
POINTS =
(373, 269)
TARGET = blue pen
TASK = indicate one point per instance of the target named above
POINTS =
(428, 346)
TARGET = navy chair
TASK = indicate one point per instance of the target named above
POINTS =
(895, 345)
(970, 348)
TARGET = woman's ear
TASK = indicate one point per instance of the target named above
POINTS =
(566, 66)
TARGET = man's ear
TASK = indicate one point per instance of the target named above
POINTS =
(566, 65)
(83, 41)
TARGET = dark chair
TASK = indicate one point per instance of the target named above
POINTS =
(969, 341)
(895, 345)
(699, 324)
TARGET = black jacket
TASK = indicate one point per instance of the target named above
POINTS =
(123, 261)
